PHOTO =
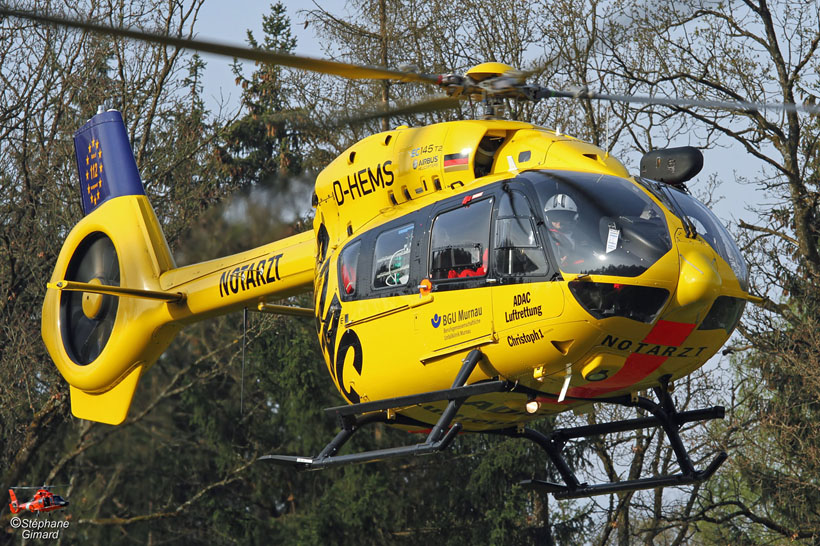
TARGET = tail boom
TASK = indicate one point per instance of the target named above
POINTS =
(116, 298)
(277, 270)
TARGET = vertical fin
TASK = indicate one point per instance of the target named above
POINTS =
(13, 504)
(105, 162)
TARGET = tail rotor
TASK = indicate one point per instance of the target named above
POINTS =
(87, 319)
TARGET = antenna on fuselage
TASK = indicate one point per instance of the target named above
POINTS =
(242, 375)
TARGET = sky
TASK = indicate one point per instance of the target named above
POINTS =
(229, 21)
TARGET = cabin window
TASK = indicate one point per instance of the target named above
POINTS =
(322, 242)
(348, 266)
(516, 247)
(391, 258)
(460, 242)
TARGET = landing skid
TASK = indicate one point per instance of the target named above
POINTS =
(664, 415)
(439, 438)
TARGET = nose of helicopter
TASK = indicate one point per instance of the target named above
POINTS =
(699, 282)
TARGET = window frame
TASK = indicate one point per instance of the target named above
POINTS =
(450, 205)
(357, 293)
(422, 246)
(364, 281)
(381, 232)
(537, 225)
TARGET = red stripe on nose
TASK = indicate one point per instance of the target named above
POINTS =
(671, 334)
(636, 368)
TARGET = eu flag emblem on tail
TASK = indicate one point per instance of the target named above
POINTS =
(105, 162)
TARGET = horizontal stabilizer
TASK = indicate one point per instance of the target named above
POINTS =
(96, 288)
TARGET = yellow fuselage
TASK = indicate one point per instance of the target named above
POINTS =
(531, 330)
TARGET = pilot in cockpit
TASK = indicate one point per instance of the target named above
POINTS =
(562, 218)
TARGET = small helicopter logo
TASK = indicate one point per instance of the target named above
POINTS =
(43, 500)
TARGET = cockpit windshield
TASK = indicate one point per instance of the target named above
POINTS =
(600, 224)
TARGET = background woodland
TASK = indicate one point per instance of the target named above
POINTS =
(181, 469)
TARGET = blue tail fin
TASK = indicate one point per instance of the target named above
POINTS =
(105, 162)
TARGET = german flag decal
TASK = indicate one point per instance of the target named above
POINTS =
(456, 162)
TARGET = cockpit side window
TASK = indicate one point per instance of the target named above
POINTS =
(713, 232)
(391, 259)
(348, 268)
(460, 242)
(516, 247)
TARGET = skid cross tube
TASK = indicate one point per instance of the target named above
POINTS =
(664, 415)
(439, 438)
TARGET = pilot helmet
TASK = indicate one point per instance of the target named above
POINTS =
(561, 208)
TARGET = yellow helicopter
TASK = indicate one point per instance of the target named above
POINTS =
(468, 276)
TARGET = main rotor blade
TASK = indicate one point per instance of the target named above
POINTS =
(664, 101)
(433, 104)
(345, 70)
(304, 120)
(38, 486)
